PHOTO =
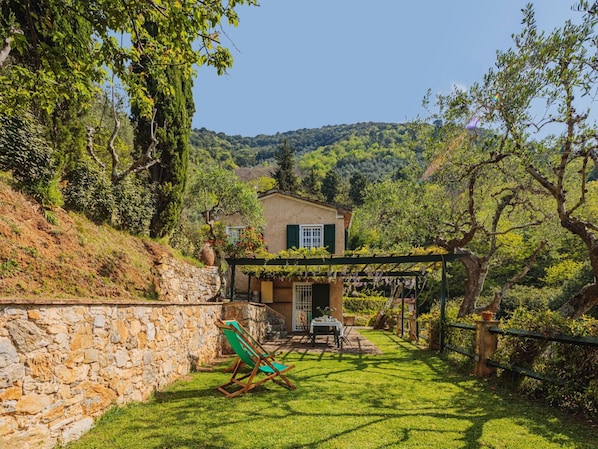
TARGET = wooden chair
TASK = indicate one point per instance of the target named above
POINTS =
(251, 354)
(305, 326)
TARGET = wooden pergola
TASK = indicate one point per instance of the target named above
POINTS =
(376, 267)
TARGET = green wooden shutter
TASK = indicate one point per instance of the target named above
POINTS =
(320, 297)
(292, 236)
(330, 238)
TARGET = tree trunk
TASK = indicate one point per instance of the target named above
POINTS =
(477, 270)
(581, 303)
(587, 298)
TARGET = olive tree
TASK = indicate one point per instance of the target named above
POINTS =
(538, 98)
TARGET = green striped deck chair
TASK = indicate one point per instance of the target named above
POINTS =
(251, 354)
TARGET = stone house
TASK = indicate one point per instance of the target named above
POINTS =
(293, 221)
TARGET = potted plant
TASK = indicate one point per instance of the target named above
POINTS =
(325, 311)
(487, 315)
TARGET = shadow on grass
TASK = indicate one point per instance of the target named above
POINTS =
(403, 398)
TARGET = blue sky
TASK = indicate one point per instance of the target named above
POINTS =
(311, 63)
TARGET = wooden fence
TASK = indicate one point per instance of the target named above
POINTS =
(486, 344)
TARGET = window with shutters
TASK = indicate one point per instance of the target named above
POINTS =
(311, 236)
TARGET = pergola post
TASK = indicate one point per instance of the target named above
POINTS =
(249, 297)
(233, 270)
(442, 305)
(417, 284)
(402, 306)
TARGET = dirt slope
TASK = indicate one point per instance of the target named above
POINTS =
(73, 258)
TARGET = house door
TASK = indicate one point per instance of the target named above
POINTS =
(302, 297)
(307, 298)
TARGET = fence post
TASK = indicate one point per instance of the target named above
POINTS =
(433, 335)
(412, 326)
(485, 347)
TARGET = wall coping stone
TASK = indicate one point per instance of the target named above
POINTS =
(102, 302)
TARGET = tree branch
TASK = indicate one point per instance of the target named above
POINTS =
(90, 148)
(6, 48)
(494, 306)
(111, 147)
(147, 159)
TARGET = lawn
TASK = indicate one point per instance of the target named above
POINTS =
(404, 398)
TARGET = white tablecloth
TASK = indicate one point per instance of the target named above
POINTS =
(331, 322)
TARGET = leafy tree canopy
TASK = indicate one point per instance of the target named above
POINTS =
(64, 49)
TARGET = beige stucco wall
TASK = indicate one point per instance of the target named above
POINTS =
(283, 297)
(281, 210)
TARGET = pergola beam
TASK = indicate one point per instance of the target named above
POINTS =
(352, 275)
(343, 260)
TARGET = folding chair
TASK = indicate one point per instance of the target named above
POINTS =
(305, 326)
(345, 337)
(250, 353)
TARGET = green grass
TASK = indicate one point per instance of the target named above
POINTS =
(405, 398)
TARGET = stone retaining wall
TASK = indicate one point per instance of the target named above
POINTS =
(252, 318)
(182, 282)
(65, 363)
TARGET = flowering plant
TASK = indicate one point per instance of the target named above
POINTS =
(325, 310)
(249, 242)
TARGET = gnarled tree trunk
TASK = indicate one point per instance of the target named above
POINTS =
(477, 270)
(587, 298)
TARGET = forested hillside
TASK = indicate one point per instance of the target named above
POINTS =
(487, 174)
(376, 150)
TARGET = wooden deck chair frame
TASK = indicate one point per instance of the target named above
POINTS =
(305, 326)
(251, 354)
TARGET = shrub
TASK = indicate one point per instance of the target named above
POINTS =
(575, 366)
(183, 242)
(461, 338)
(365, 308)
(28, 156)
(526, 297)
(134, 206)
(89, 191)
(364, 305)
(582, 277)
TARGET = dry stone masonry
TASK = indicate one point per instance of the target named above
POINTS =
(183, 282)
(64, 363)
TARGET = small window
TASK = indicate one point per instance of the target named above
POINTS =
(234, 233)
(311, 236)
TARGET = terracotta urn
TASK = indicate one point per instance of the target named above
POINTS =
(487, 315)
(207, 254)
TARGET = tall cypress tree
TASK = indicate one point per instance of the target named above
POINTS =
(311, 184)
(330, 185)
(358, 183)
(285, 177)
(174, 108)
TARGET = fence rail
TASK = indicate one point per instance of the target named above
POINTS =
(487, 345)
(578, 341)
(462, 351)
(524, 371)
(464, 326)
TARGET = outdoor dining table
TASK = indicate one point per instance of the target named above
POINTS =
(326, 326)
